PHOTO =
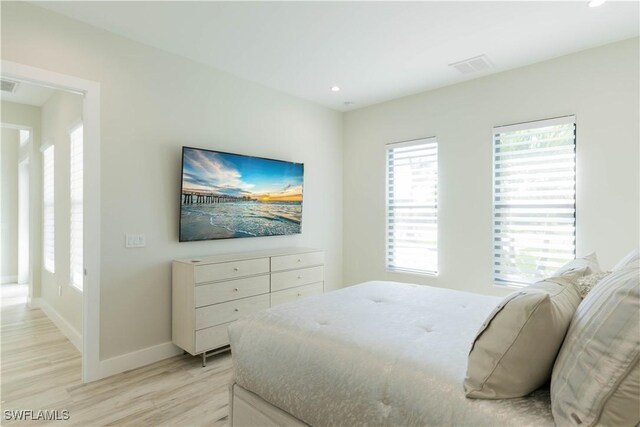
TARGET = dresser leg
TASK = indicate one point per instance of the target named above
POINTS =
(204, 359)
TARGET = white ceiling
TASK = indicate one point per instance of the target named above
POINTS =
(375, 51)
(29, 94)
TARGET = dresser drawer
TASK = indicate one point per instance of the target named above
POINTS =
(289, 262)
(210, 338)
(214, 293)
(231, 270)
(293, 278)
(226, 312)
(293, 294)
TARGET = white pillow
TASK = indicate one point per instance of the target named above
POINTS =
(632, 259)
(589, 264)
(596, 379)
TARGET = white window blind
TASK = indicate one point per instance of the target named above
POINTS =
(534, 199)
(412, 206)
(48, 241)
(76, 241)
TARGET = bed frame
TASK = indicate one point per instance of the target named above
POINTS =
(249, 409)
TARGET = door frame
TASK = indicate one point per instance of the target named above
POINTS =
(91, 120)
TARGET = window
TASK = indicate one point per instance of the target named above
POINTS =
(412, 206)
(75, 178)
(24, 136)
(534, 199)
(48, 241)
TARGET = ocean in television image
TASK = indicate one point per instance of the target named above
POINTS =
(227, 195)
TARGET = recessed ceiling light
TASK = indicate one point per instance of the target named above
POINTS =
(335, 89)
(596, 3)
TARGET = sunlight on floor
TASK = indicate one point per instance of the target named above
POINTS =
(13, 294)
(40, 370)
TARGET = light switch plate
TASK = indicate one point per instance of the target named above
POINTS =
(134, 241)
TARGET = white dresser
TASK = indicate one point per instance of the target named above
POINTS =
(209, 293)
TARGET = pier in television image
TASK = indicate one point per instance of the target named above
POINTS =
(227, 195)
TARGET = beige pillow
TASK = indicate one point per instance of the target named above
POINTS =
(514, 351)
(596, 379)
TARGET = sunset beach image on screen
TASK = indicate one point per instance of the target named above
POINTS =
(227, 195)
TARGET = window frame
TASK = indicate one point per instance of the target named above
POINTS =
(530, 125)
(25, 136)
(49, 265)
(387, 264)
(79, 126)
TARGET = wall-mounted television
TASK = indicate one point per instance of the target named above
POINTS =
(226, 195)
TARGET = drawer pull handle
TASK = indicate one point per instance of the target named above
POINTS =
(236, 269)
(235, 309)
(299, 294)
(236, 289)
(299, 277)
(299, 260)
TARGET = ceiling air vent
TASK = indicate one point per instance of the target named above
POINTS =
(472, 65)
(8, 85)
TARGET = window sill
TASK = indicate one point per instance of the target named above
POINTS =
(75, 288)
(412, 272)
(509, 285)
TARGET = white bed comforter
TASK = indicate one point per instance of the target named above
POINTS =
(378, 353)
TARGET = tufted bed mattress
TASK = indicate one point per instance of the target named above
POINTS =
(378, 353)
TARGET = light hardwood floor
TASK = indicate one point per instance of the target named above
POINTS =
(40, 370)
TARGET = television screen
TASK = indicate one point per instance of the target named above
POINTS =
(227, 195)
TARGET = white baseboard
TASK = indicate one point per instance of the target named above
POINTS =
(65, 327)
(113, 365)
(8, 279)
(136, 359)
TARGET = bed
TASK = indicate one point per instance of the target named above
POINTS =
(378, 353)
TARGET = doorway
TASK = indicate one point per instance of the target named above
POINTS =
(15, 214)
(33, 206)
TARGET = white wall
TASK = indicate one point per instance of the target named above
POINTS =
(9, 149)
(152, 103)
(599, 86)
(60, 114)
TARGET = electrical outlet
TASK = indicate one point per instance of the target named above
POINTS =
(134, 241)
